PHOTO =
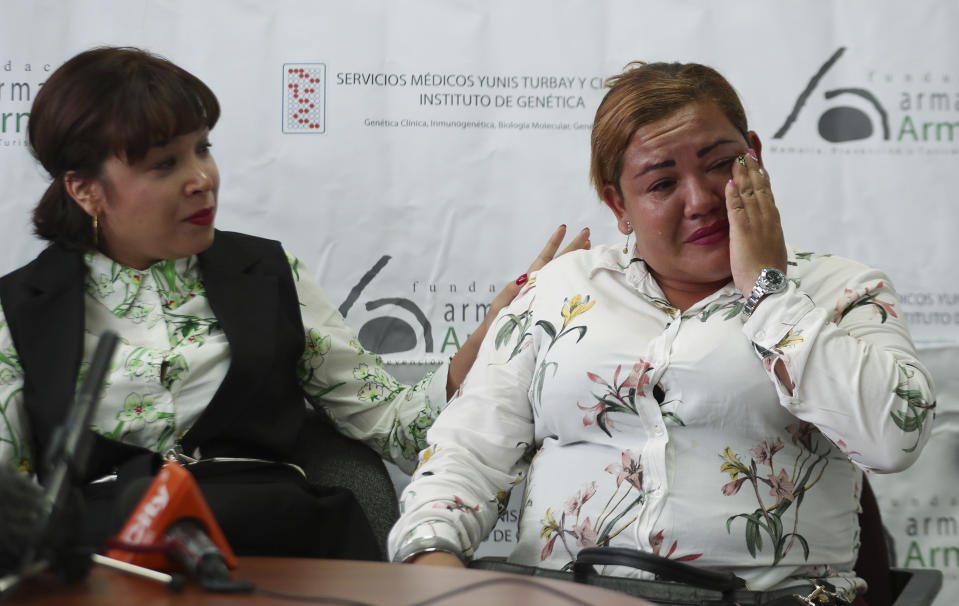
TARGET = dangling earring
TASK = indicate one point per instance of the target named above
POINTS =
(96, 232)
(629, 230)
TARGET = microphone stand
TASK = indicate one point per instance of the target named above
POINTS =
(65, 461)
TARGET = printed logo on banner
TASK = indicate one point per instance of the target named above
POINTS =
(902, 112)
(20, 80)
(304, 98)
(389, 333)
(841, 123)
(393, 324)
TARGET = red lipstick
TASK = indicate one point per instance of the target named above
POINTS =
(203, 217)
(711, 234)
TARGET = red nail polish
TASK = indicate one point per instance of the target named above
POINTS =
(752, 154)
(521, 280)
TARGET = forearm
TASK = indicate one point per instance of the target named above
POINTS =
(875, 401)
(476, 454)
(363, 400)
(858, 381)
(14, 449)
(461, 363)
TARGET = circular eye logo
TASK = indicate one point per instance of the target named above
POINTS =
(842, 123)
(388, 333)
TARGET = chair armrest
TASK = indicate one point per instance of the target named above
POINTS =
(915, 586)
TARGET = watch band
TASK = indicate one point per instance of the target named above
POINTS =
(752, 301)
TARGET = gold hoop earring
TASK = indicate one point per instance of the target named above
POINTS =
(629, 230)
(96, 232)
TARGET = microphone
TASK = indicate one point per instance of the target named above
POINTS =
(65, 461)
(47, 540)
(171, 526)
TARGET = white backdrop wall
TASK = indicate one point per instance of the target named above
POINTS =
(445, 139)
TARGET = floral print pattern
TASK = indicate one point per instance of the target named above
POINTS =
(865, 297)
(621, 397)
(656, 542)
(572, 307)
(917, 409)
(173, 355)
(616, 515)
(11, 375)
(912, 417)
(787, 489)
(685, 386)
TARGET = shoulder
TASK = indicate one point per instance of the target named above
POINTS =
(232, 241)
(237, 252)
(52, 268)
(582, 264)
(825, 275)
(813, 264)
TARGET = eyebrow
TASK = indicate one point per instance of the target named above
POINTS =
(653, 167)
(710, 148)
(699, 154)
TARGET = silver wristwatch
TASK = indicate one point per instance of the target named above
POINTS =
(424, 544)
(769, 282)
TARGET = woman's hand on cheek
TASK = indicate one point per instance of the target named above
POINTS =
(755, 233)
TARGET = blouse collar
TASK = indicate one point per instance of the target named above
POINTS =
(117, 286)
(636, 273)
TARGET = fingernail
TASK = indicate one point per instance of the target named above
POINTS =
(752, 154)
(586, 231)
(521, 280)
(732, 183)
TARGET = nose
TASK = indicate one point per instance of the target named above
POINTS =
(703, 197)
(202, 177)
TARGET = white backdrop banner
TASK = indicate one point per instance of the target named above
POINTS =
(416, 154)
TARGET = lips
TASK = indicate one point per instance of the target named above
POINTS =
(711, 234)
(202, 217)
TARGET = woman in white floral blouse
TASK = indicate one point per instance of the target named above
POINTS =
(708, 393)
(222, 334)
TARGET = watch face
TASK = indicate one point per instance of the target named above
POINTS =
(772, 279)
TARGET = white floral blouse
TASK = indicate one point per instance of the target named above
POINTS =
(635, 424)
(172, 357)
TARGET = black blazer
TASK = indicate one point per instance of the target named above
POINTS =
(258, 409)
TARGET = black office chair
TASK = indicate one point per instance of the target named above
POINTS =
(889, 586)
(331, 459)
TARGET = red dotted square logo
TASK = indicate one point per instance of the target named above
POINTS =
(304, 98)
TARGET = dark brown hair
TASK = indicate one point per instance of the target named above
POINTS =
(109, 101)
(645, 93)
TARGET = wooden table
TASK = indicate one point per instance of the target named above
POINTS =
(365, 583)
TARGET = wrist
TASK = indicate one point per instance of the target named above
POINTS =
(770, 281)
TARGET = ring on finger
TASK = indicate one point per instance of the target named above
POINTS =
(741, 160)
(762, 173)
